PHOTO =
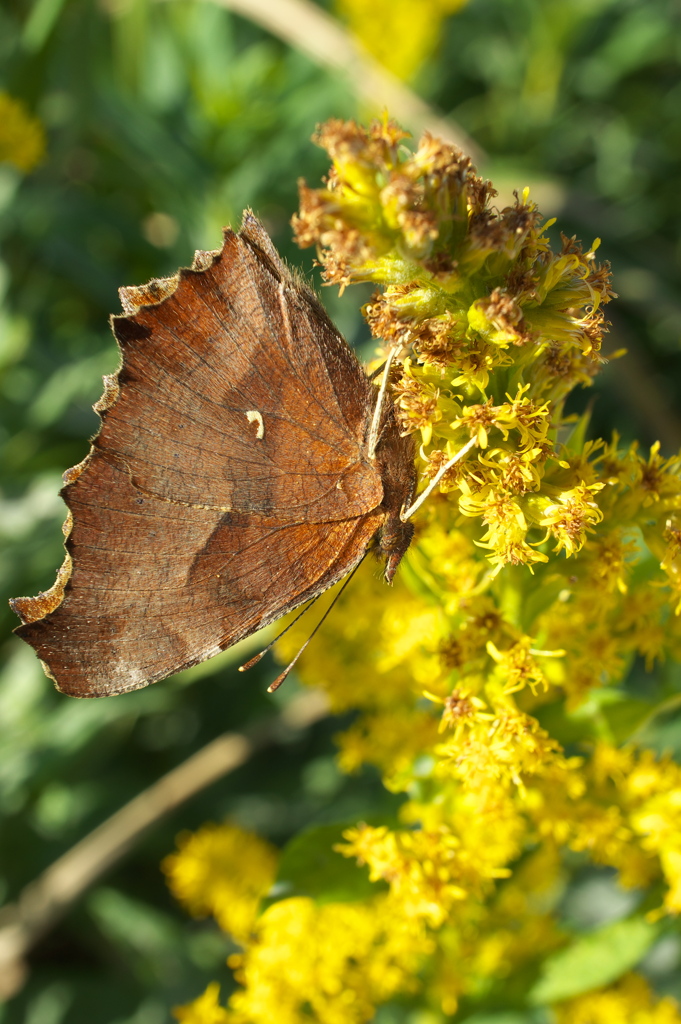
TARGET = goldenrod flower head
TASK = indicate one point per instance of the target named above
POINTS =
(506, 524)
(223, 871)
(544, 566)
(482, 302)
(495, 329)
(460, 710)
(570, 517)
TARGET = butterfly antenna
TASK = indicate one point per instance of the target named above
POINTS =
(282, 676)
(254, 661)
(406, 513)
(375, 428)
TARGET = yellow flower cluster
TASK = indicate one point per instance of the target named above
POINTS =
(223, 871)
(544, 565)
(628, 1002)
(204, 1010)
(401, 34)
(22, 139)
(332, 963)
(337, 961)
(648, 792)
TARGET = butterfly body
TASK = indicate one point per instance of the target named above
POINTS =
(230, 482)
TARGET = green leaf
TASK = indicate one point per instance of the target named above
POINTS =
(661, 728)
(538, 600)
(625, 717)
(613, 714)
(40, 22)
(561, 725)
(594, 960)
(310, 866)
(575, 442)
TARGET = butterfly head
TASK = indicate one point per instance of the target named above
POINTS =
(394, 537)
(395, 457)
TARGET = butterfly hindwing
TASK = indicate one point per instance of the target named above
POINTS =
(156, 587)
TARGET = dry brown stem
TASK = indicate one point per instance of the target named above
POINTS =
(45, 900)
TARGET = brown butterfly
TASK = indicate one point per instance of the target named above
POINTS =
(245, 464)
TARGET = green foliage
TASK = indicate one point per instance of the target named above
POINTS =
(594, 960)
(306, 869)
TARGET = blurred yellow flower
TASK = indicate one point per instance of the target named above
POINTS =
(401, 34)
(22, 137)
(421, 867)
(204, 1010)
(630, 1001)
(332, 964)
(223, 871)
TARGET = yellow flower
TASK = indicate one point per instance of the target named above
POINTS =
(204, 1010)
(506, 526)
(22, 138)
(424, 869)
(401, 34)
(570, 517)
(460, 710)
(514, 472)
(630, 1001)
(504, 750)
(391, 740)
(655, 477)
(223, 871)
(483, 824)
(518, 667)
(494, 330)
(332, 963)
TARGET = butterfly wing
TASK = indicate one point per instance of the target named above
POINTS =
(228, 483)
(155, 587)
(237, 392)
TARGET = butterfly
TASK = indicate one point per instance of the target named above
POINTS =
(245, 464)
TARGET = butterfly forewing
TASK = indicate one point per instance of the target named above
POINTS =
(235, 341)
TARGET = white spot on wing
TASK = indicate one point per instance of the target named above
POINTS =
(253, 416)
(211, 652)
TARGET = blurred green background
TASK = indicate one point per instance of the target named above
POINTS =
(162, 122)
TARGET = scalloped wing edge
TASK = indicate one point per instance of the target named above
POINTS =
(133, 299)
